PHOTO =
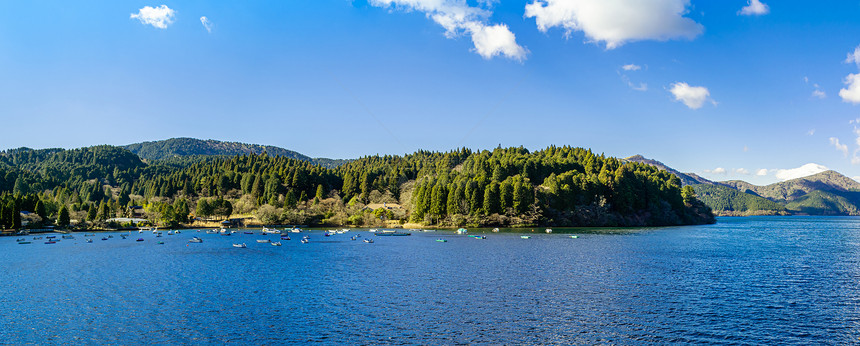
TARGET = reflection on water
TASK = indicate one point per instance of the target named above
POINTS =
(743, 280)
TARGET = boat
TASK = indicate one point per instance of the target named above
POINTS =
(393, 234)
(248, 232)
(270, 231)
(195, 240)
(373, 230)
(574, 236)
(241, 246)
(480, 237)
(296, 230)
(495, 230)
(429, 230)
(305, 240)
(176, 232)
(139, 239)
(462, 231)
(24, 242)
(353, 238)
(50, 242)
(277, 243)
(104, 238)
(327, 234)
(262, 240)
(89, 240)
(548, 230)
(158, 235)
(161, 243)
(442, 240)
(69, 236)
(169, 232)
(285, 237)
(525, 236)
(368, 240)
(51, 237)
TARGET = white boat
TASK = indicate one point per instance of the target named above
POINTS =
(271, 231)
(277, 243)
(369, 241)
(195, 240)
(240, 245)
(462, 231)
(262, 240)
(296, 230)
(169, 232)
(373, 230)
(345, 229)
(305, 240)
(548, 230)
(495, 230)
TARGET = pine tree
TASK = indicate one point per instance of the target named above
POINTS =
(63, 219)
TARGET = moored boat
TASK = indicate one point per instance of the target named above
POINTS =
(548, 230)
(442, 240)
(242, 246)
(195, 240)
(495, 230)
(368, 240)
(462, 231)
(277, 243)
(393, 234)
(525, 236)
(574, 236)
(262, 240)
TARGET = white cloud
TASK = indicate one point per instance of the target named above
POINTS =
(616, 22)
(457, 17)
(799, 172)
(206, 24)
(631, 67)
(754, 8)
(159, 17)
(692, 96)
(746, 148)
(742, 171)
(852, 93)
(810, 132)
(839, 146)
(819, 93)
(718, 170)
(854, 57)
(761, 172)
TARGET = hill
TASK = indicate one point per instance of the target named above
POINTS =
(686, 178)
(727, 201)
(790, 190)
(183, 147)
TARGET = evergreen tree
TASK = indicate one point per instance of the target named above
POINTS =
(63, 218)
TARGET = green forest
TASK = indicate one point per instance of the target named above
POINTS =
(556, 186)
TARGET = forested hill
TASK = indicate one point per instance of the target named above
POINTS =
(560, 186)
(183, 147)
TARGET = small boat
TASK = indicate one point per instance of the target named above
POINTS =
(195, 240)
(139, 239)
(442, 240)
(296, 230)
(241, 246)
(462, 231)
(353, 238)
(373, 230)
(176, 232)
(574, 236)
(429, 230)
(104, 238)
(393, 234)
(248, 232)
(161, 243)
(271, 231)
(169, 232)
(110, 236)
(158, 235)
(123, 237)
(89, 240)
(50, 242)
(24, 242)
(368, 240)
(305, 240)
(286, 237)
(262, 240)
(327, 234)
(495, 230)
(481, 237)
(525, 236)
(548, 230)
(277, 243)
(68, 237)
(51, 237)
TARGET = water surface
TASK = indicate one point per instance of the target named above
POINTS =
(787, 280)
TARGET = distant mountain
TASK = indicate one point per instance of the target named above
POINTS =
(686, 178)
(725, 200)
(794, 189)
(181, 147)
(825, 193)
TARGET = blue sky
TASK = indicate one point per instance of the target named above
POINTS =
(708, 87)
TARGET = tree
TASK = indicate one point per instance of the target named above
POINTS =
(92, 213)
(491, 199)
(204, 209)
(16, 217)
(320, 192)
(688, 194)
(40, 210)
(63, 219)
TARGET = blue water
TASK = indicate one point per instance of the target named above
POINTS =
(785, 280)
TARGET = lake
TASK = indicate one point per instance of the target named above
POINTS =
(754, 280)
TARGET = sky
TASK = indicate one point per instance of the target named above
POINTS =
(757, 90)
